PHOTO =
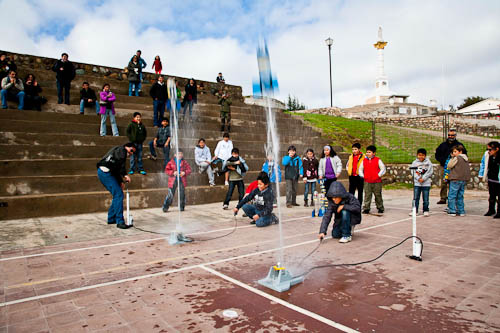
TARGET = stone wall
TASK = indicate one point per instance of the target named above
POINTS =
(435, 123)
(400, 173)
(43, 63)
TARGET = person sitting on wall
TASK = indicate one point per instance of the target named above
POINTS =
(88, 98)
(12, 89)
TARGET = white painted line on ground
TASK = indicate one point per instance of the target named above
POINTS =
(140, 277)
(131, 242)
(280, 301)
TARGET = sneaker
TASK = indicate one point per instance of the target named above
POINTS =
(381, 211)
(366, 211)
(461, 215)
(275, 205)
(345, 239)
(123, 226)
(142, 172)
(152, 157)
(452, 214)
(245, 215)
(165, 209)
(426, 214)
(288, 206)
(252, 222)
(441, 202)
(131, 172)
(226, 183)
(411, 213)
(211, 184)
(225, 207)
(274, 219)
(445, 210)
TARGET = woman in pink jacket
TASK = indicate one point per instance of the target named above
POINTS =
(107, 108)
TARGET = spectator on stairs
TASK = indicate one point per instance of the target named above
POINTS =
(142, 64)
(221, 154)
(203, 159)
(157, 65)
(159, 93)
(32, 99)
(134, 77)
(137, 133)
(177, 102)
(190, 98)
(225, 112)
(65, 73)
(6, 65)
(107, 109)
(88, 98)
(162, 139)
(12, 89)
(220, 78)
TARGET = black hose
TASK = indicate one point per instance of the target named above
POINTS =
(361, 262)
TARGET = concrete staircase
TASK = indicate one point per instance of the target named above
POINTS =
(48, 159)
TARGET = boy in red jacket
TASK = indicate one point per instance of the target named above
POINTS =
(372, 169)
(176, 168)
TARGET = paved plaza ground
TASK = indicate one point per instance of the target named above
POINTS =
(77, 274)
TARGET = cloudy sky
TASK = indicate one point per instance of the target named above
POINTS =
(443, 50)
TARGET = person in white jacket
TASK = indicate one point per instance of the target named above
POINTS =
(221, 154)
(422, 180)
(203, 160)
(330, 166)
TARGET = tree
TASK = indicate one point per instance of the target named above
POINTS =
(470, 100)
(293, 104)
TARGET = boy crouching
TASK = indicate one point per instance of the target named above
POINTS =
(347, 211)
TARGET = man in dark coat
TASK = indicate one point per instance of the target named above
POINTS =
(346, 209)
(442, 153)
(112, 174)
(65, 73)
(159, 93)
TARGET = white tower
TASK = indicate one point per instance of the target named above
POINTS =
(381, 82)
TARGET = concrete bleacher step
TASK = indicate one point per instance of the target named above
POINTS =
(36, 205)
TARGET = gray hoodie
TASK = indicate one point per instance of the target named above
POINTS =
(202, 154)
(424, 171)
(349, 201)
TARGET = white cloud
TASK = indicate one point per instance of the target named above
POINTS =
(424, 37)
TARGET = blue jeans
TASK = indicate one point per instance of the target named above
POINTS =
(425, 195)
(138, 155)
(310, 187)
(82, 106)
(186, 105)
(112, 119)
(159, 111)
(456, 197)
(139, 84)
(343, 229)
(19, 97)
(166, 153)
(232, 185)
(251, 210)
(133, 88)
(60, 86)
(115, 212)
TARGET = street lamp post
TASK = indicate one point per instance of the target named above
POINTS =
(329, 43)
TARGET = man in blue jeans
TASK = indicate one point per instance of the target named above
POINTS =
(261, 213)
(159, 93)
(347, 211)
(112, 174)
(12, 89)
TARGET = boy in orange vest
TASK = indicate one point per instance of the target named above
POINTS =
(372, 169)
(353, 164)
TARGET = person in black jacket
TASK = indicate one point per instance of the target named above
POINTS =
(112, 174)
(346, 209)
(65, 73)
(31, 91)
(190, 98)
(442, 153)
(261, 213)
(88, 98)
(159, 93)
(6, 65)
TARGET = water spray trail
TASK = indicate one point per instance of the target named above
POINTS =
(172, 89)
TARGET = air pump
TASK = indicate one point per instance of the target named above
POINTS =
(130, 219)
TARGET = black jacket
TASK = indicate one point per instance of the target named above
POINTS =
(88, 94)
(115, 160)
(67, 74)
(192, 91)
(493, 167)
(159, 91)
(444, 150)
(31, 90)
(351, 204)
(263, 200)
